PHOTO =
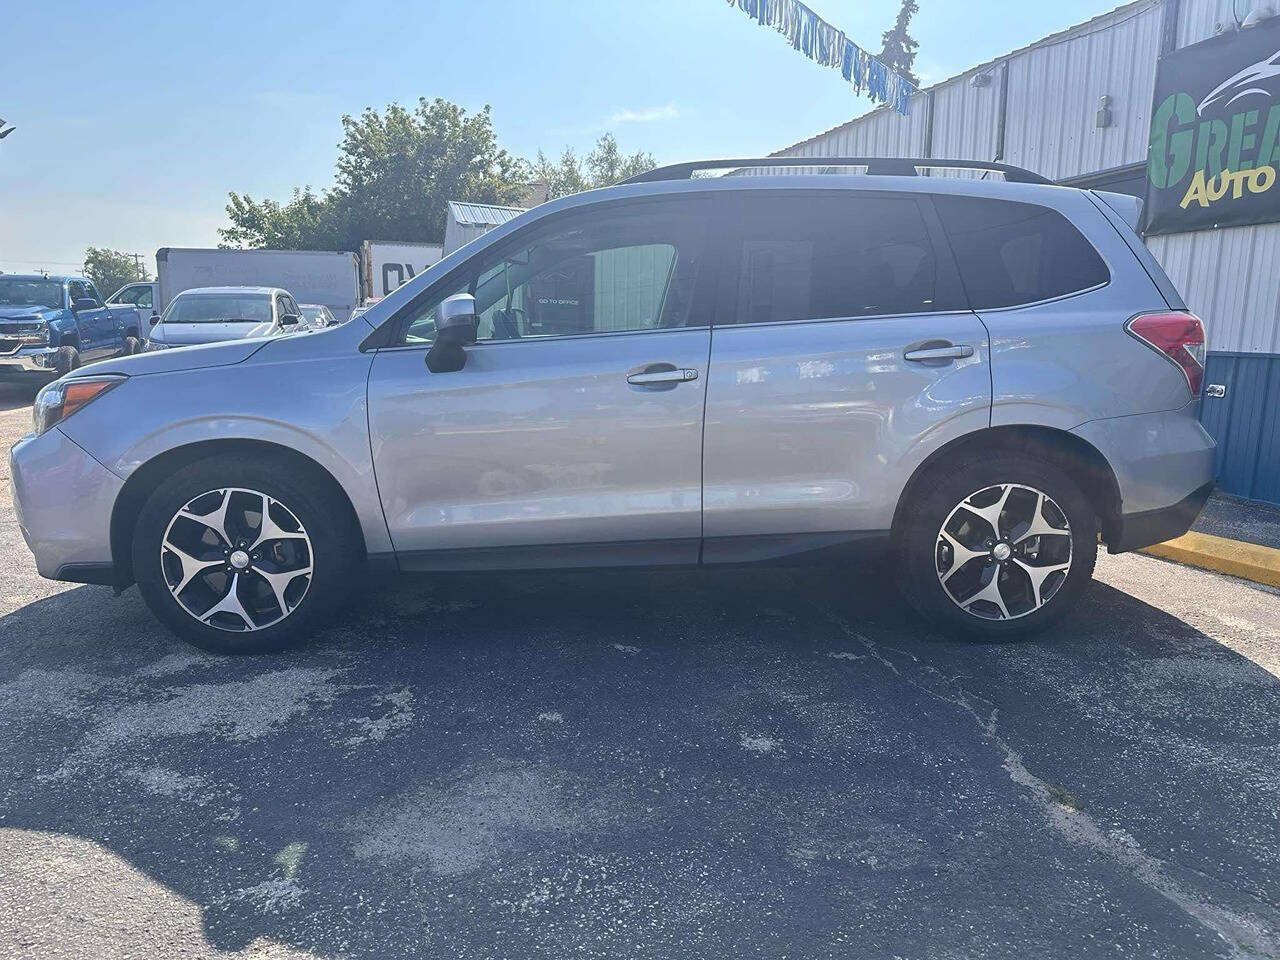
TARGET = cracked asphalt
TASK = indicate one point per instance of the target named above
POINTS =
(772, 763)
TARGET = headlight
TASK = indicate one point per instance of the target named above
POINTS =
(62, 398)
(151, 345)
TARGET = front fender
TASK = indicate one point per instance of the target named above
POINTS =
(316, 407)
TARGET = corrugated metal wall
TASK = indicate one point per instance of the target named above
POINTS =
(1246, 423)
(1230, 277)
(1114, 56)
(1200, 19)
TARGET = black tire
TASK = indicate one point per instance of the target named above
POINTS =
(131, 345)
(66, 360)
(336, 550)
(920, 551)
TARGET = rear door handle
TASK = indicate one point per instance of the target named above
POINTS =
(951, 352)
(659, 377)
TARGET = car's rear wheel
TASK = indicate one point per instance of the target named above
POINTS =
(238, 555)
(998, 548)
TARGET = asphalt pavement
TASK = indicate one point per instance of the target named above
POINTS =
(735, 763)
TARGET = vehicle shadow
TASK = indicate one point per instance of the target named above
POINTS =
(16, 395)
(659, 764)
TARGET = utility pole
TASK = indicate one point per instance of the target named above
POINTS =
(137, 266)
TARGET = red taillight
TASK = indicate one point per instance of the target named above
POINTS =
(1179, 336)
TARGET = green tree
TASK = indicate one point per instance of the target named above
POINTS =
(396, 171)
(112, 269)
(899, 53)
(605, 165)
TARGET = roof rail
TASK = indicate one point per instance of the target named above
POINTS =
(876, 166)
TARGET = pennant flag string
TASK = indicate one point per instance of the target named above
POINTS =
(824, 44)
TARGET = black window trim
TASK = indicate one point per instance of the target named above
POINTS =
(949, 282)
(389, 333)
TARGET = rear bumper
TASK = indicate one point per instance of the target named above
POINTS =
(1138, 530)
(63, 499)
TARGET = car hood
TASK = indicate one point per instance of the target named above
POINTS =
(188, 358)
(25, 311)
(178, 334)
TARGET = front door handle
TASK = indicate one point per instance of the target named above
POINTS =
(651, 378)
(956, 351)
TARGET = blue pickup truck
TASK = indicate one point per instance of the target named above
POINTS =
(50, 325)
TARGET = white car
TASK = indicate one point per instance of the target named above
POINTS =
(214, 314)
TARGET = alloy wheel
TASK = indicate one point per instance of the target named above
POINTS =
(236, 559)
(1004, 552)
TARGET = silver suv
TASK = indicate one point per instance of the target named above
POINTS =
(982, 375)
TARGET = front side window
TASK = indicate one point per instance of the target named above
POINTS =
(1013, 253)
(139, 296)
(623, 268)
(812, 257)
(80, 290)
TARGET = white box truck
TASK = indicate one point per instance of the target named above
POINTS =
(388, 264)
(312, 276)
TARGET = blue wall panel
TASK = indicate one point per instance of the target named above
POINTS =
(1246, 423)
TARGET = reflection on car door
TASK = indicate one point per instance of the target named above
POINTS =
(849, 355)
(573, 435)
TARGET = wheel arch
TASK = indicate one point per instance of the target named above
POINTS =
(1081, 460)
(142, 481)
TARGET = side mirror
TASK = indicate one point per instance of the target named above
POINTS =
(455, 327)
(84, 303)
(155, 318)
(289, 319)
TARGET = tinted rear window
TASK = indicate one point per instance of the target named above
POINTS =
(821, 257)
(1013, 253)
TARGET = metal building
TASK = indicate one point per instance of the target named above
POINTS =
(470, 220)
(1077, 106)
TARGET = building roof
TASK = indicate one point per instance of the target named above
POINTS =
(482, 214)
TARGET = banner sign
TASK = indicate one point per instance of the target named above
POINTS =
(1214, 157)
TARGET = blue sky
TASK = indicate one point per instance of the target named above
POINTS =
(135, 119)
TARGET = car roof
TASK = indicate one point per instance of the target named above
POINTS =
(55, 277)
(265, 291)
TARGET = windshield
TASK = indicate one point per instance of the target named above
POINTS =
(313, 313)
(16, 292)
(219, 308)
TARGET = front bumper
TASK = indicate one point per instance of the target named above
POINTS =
(27, 360)
(63, 498)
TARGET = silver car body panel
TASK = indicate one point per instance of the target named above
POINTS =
(541, 441)
(63, 498)
(816, 426)
(1158, 458)
(261, 398)
(543, 445)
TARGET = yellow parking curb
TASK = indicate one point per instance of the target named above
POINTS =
(1246, 560)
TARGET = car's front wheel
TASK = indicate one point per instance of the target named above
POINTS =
(243, 555)
(997, 548)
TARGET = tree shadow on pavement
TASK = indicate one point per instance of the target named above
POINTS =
(726, 763)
